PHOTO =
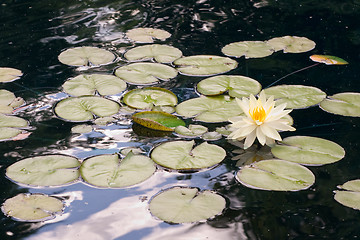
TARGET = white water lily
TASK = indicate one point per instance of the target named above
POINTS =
(262, 120)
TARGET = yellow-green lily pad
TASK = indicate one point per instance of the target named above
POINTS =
(349, 195)
(8, 101)
(160, 53)
(157, 120)
(192, 131)
(147, 35)
(9, 74)
(292, 44)
(345, 104)
(249, 49)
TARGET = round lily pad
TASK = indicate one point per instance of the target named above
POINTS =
(328, 60)
(160, 53)
(296, 96)
(204, 65)
(249, 49)
(147, 98)
(308, 150)
(145, 73)
(238, 86)
(90, 84)
(209, 109)
(192, 131)
(109, 171)
(82, 128)
(32, 207)
(186, 205)
(181, 155)
(10, 127)
(275, 175)
(211, 136)
(8, 101)
(86, 56)
(47, 170)
(350, 196)
(9, 74)
(292, 44)
(103, 121)
(345, 104)
(157, 120)
(84, 108)
(147, 35)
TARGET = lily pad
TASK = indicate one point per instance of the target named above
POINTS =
(350, 197)
(47, 170)
(209, 109)
(181, 155)
(160, 53)
(204, 65)
(238, 86)
(32, 207)
(157, 120)
(292, 44)
(95, 83)
(9, 74)
(86, 56)
(109, 171)
(192, 131)
(147, 35)
(249, 49)
(186, 205)
(82, 128)
(328, 60)
(296, 96)
(145, 73)
(276, 175)
(10, 127)
(211, 136)
(147, 98)
(308, 150)
(79, 109)
(345, 104)
(8, 101)
(103, 121)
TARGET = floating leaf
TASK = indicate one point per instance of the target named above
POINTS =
(160, 53)
(204, 65)
(186, 205)
(109, 171)
(147, 98)
(209, 109)
(80, 109)
(192, 131)
(249, 49)
(82, 128)
(238, 86)
(211, 136)
(10, 127)
(8, 101)
(328, 60)
(147, 35)
(32, 207)
(351, 196)
(90, 84)
(296, 96)
(9, 74)
(103, 121)
(157, 120)
(308, 150)
(145, 73)
(276, 175)
(180, 155)
(47, 170)
(346, 104)
(292, 44)
(86, 56)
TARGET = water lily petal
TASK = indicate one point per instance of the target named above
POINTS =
(250, 139)
(244, 105)
(281, 125)
(260, 136)
(270, 132)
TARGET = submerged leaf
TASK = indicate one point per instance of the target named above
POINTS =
(328, 60)
(249, 49)
(157, 120)
(345, 104)
(147, 35)
(350, 197)
(292, 44)
(160, 53)
(9, 74)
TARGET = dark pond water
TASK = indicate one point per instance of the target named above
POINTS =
(33, 33)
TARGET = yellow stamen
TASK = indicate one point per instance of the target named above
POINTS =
(258, 114)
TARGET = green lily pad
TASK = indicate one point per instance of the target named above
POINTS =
(350, 197)
(86, 56)
(10, 127)
(47, 170)
(186, 205)
(209, 109)
(79, 109)
(90, 84)
(296, 96)
(276, 175)
(109, 171)
(345, 104)
(160, 53)
(308, 150)
(249, 49)
(147, 35)
(328, 60)
(238, 86)
(9, 74)
(103, 121)
(181, 155)
(7, 133)
(157, 120)
(8, 101)
(192, 131)
(32, 207)
(145, 73)
(211, 136)
(150, 97)
(82, 128)
(292, 44)
(204, 65)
